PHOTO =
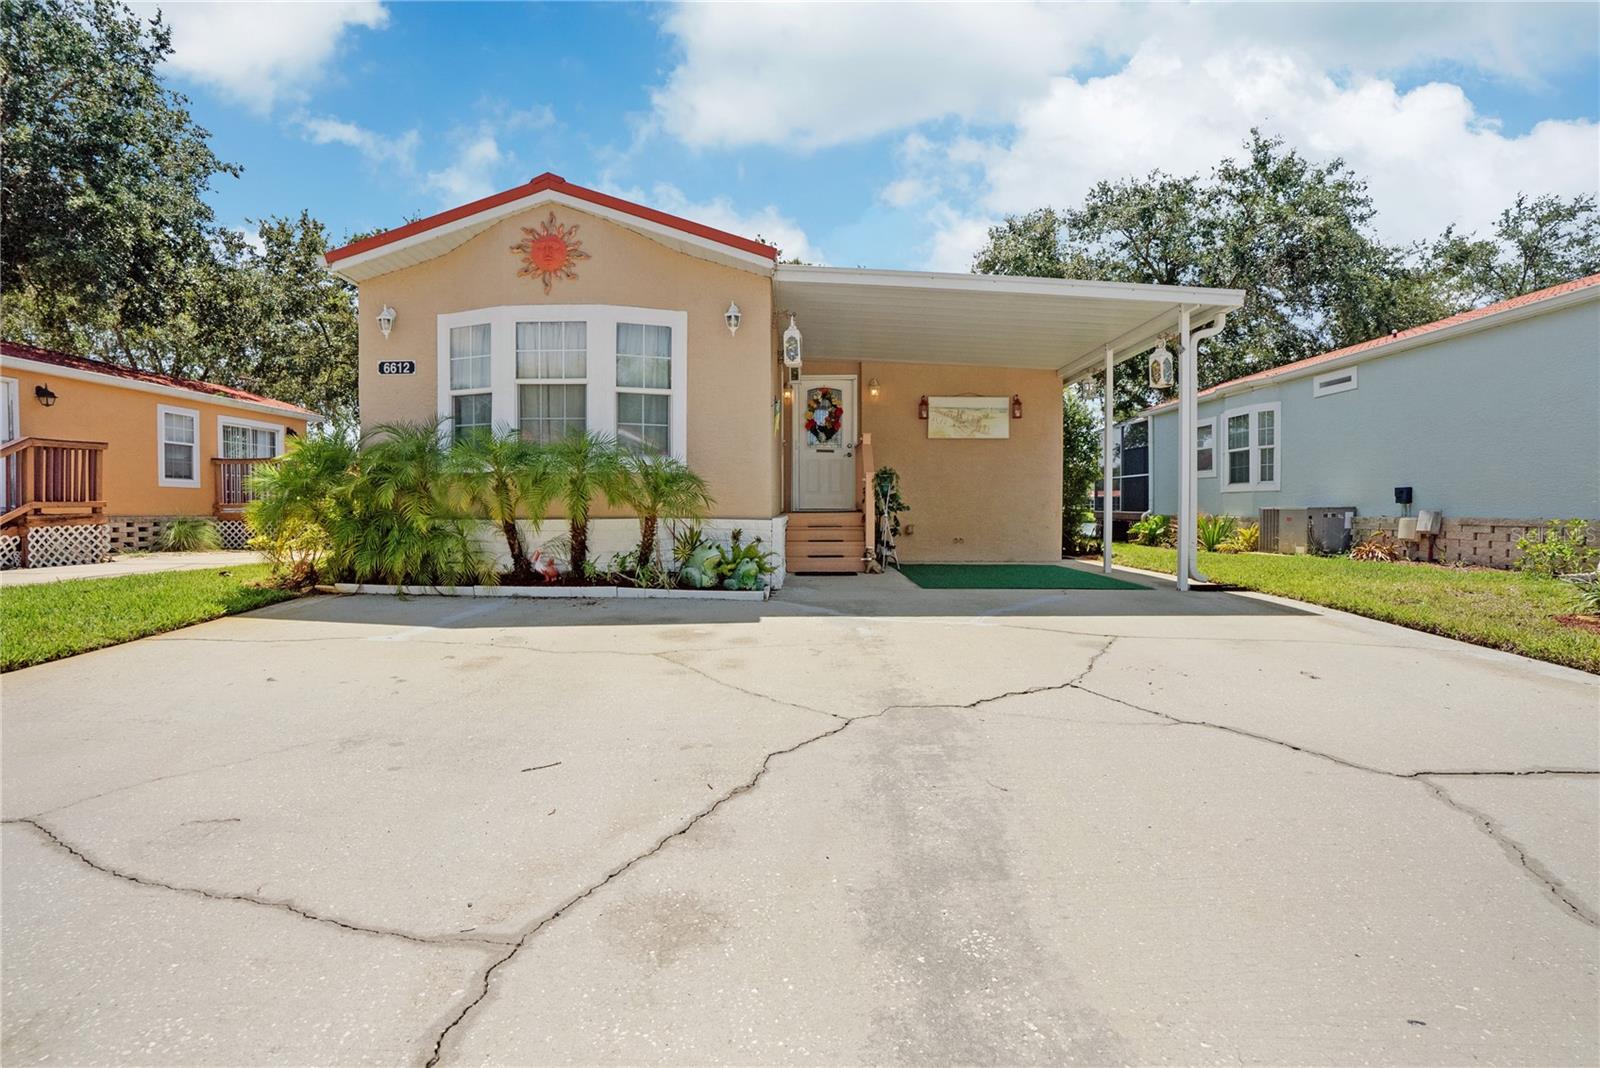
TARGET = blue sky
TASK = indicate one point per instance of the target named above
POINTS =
(887, 136)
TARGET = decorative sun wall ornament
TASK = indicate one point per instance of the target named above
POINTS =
(549, 251)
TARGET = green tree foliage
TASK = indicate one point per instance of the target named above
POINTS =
(111, 250)
(1080, 463)
(1538, 242)
(104, 173)
(584, 467)
(1297, 238)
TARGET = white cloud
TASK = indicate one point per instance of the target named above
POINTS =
(767, 223)
(805, 77)
(473, 171)
(1004, 108)
(260, 53)
(1429, 157)
(400, 149)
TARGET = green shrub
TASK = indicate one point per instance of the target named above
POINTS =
(1559, 549)
(394, 521)
(294, 497)
(1213, 530)
(189, 534)
(1151, 530)
(744, 566)
(1586, 600)
(1247, 539)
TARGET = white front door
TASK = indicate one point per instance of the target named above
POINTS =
(825, 444)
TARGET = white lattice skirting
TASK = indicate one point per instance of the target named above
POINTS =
(234, 532)
(10, 552)
(59, 546)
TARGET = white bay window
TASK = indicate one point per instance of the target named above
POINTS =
(549, 370)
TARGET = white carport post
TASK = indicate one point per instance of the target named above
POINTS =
(1105, 531)
(1186, 461)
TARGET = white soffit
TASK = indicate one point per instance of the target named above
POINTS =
(1056, 324)
(419, 248)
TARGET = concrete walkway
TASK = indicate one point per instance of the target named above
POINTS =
(861, 823)
(128, 565)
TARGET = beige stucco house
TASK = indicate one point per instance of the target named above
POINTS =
(552, 307)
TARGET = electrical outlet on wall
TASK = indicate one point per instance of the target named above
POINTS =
(957, 541)
(907, 530)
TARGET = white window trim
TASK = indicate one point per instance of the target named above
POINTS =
(1321, 388)
(1255, 484)
(601, 383)
(232, 420)
(1215, 449)
(162, 411)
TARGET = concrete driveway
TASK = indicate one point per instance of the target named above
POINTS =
(861, 823)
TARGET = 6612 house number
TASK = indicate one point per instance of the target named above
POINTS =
(397, 367)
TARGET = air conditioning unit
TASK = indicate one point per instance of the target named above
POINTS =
(1307, 530)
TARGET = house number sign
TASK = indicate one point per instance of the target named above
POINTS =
(397, 367)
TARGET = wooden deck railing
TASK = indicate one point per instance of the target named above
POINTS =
(868, 467)
(233, 485)
(51, 478)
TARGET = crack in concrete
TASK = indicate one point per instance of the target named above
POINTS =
(669, 657)
(1536, 871)
(248, 899)
(1518, 853)
(487, 979)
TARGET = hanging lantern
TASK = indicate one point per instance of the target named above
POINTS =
(1161, 376)
(732, 317)
(791, 345)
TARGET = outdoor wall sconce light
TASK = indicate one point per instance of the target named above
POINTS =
(1016, 406)
(386, 320)
(922, 407)
(872, 388)
(44, 395)
(788, 392)
(732, 317)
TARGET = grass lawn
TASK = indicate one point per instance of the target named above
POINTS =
(1501, 609)
(56, 619)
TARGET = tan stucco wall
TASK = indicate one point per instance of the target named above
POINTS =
(970, 500)
(125, 418)
(730, 378)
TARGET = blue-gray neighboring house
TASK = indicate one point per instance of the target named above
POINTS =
(1490, 417)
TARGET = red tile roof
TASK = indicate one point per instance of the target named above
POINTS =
(1402, 335)
(560, 185)
(20, 351)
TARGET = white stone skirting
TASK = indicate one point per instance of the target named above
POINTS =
(574, 593)
(609, 537)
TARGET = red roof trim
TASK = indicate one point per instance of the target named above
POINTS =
(560, 185)
(18, 350)
(1536, 297)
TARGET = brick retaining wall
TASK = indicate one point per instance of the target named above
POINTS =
(1477, 540)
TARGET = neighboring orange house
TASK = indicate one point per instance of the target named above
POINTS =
(94, 457)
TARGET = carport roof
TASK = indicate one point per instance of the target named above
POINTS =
(1057, 324)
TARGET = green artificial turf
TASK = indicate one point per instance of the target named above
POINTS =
(56, 619)
(1010, 577)
(1501, 609)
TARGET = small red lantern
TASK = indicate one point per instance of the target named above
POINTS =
(922, 407)
(1016, 406)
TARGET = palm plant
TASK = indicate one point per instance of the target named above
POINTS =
(394, 520)
(499, 476)
(583, 466)
(292, 498)
(656, 485)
